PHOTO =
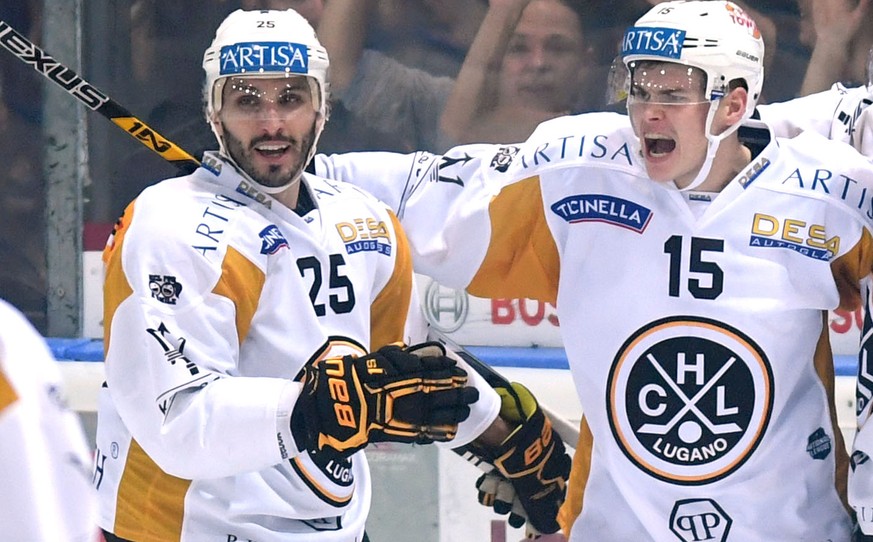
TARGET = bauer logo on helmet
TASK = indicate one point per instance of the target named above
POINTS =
(261, 57)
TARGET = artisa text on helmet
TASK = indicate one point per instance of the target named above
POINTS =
(261, 57)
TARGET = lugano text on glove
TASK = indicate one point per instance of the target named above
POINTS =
(410, 394)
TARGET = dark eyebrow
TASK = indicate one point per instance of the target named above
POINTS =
(247, 89)
(298, 83)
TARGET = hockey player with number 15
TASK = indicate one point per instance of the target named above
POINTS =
(692, 256)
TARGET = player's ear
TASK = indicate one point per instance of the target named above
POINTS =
(217, 126)
(734, 105)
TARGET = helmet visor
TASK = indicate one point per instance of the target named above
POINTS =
(665, 83)
(258, 98)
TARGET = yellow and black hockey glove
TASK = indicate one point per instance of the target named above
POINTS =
(532, 459)
(411, 395)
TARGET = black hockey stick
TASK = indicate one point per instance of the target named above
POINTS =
(93, 98)
(568, 432)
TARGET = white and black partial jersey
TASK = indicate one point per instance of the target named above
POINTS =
(693, 323)
(46, 494)
(216, 295)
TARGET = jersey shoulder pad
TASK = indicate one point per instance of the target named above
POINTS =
(595, 139)
(825, 168)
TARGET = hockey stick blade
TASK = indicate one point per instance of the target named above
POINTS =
(93, 98)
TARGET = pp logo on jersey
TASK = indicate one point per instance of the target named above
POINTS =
(272, 240)
(165, 288)
(699, 520)
(689, 399)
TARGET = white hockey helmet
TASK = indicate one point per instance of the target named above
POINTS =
(716, 36)
(265, 43)
(268, 44)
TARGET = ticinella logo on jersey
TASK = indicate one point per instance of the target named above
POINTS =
(265, 56)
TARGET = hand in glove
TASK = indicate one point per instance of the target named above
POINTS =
(412, 395)
(532, 459)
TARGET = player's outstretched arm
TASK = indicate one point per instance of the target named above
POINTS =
(410, 394)
(531, 464)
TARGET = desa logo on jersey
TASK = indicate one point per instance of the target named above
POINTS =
(361, 235)
(265, 56)
(809, 240)
(665, 42)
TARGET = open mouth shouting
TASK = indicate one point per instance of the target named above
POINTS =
(657, 145)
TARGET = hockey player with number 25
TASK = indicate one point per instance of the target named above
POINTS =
(256, 332)
(692, 255)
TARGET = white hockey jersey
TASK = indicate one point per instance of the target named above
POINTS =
(844, 114)
(216, 295)
(46, 494)
(693, 340)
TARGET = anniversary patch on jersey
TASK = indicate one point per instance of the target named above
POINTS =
(503, 159)
(696, 520)
(603, 208)
(272, 240)
(365, 235)
(165, 288)
(689, 399)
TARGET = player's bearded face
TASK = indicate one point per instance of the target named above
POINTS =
(668, 113)
(269, 127)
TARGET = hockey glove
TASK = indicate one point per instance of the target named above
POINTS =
(532, 458)
(497, 492)
(411, 395)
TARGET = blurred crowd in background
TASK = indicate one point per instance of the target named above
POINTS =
(405, 75)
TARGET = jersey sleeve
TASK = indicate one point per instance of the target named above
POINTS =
(172, 350)
(44, 460)
(838, 113)
(473, 217)
(391, 310)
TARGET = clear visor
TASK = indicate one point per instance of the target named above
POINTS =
(617, 82)
(665, 83)
(256, 98)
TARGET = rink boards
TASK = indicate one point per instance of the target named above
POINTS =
(424, 490)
